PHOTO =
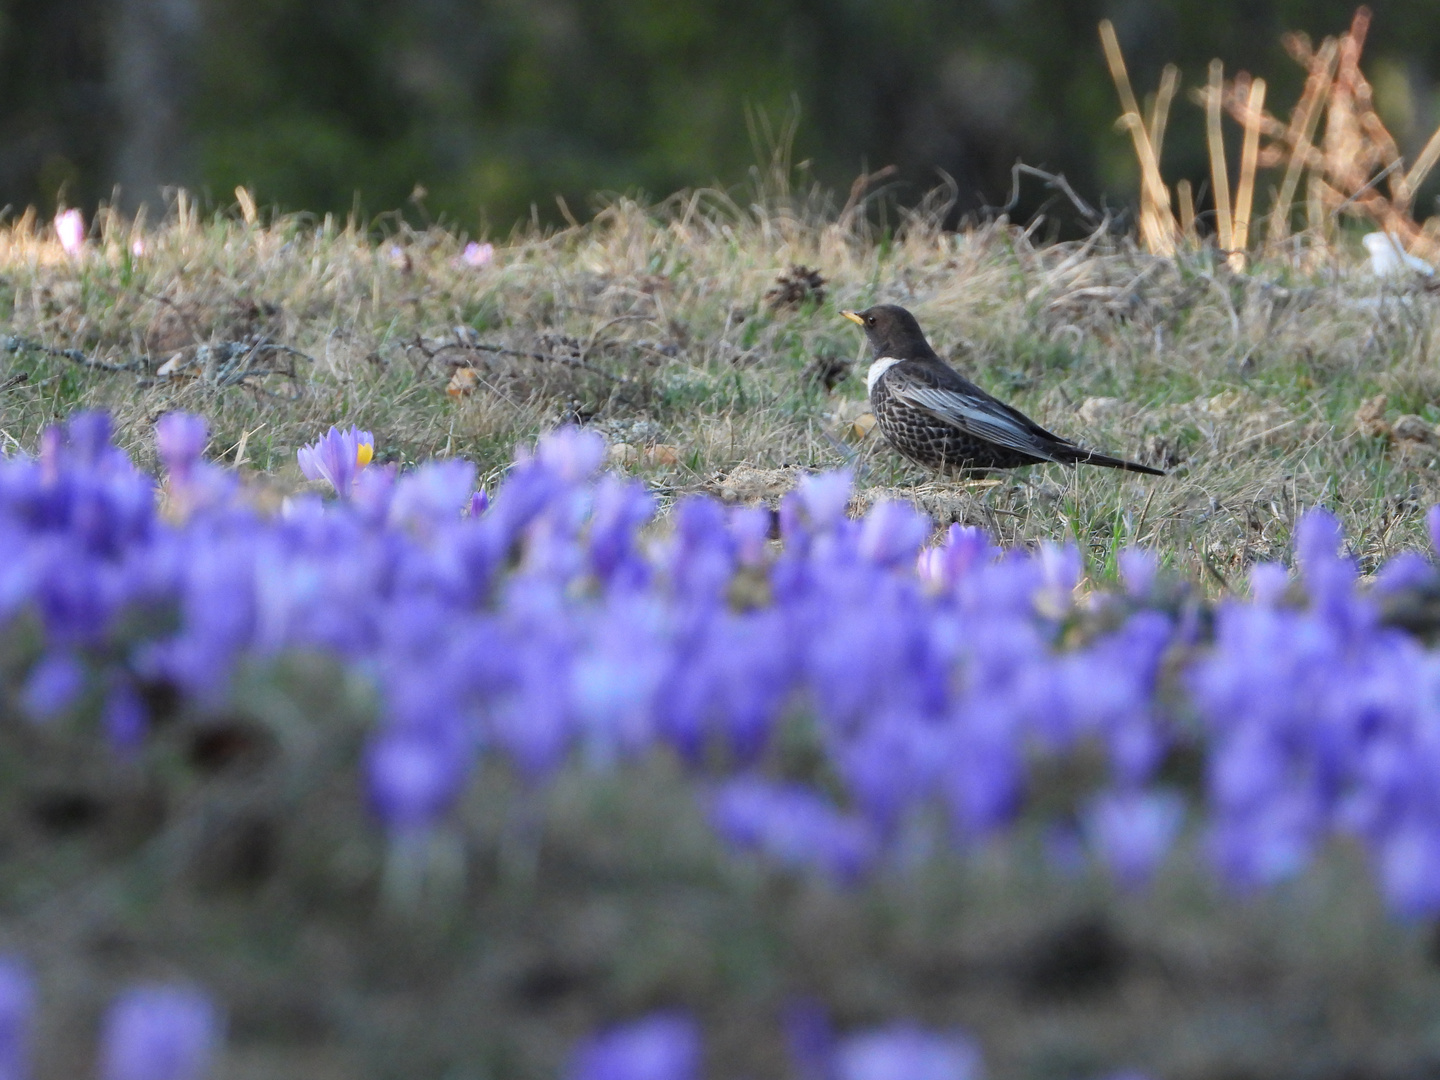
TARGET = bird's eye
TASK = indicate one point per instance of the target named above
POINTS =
(870, 320)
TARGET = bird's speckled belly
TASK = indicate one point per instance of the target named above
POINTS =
(935, 444)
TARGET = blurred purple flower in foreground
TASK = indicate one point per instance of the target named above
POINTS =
(17, 1018)
(337, 456)
(559, 624)
(663, 1046)
(70, 230)
(53, 686)
(1133, 831)
(413, 778)
(794, 826)
(180, 439)
(160, 1032)
(905, 1051)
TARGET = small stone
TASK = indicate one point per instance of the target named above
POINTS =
(622, 454)
(1412, 429)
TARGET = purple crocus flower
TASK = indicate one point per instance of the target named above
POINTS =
(180, 439)
(750, 530)
(337, 456)
(70, 231)
(810, 1039)
(906, 1051)
(1404, 571)
(572, 453)
(433, 494)
(663, 1046)
(824, 497)
(414, 776)
(794, 826)
(479, 503)
(892, 533)
(1138, 567)
(965, 548)
(55, 683)
(160, 1032)
(1133, 830)
(124, 719)
(17, 1017)
(1409, 863)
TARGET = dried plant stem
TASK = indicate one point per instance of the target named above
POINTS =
(1160, 108)
(1157, 221)
(1423, 164)
(1249, 157)
(1315, 206)
(1187, 212)
(1303, 122)
(1215, 136)
(248, 210)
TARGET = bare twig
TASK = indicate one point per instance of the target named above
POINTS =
(1055, 181)
(23, 344)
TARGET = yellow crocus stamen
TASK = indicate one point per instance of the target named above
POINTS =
(363, 453)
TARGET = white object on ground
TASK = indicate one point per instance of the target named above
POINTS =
(1389, 257)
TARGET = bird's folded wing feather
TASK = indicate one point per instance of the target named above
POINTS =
(977, 416)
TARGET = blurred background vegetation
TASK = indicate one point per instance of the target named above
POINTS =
(484, 109)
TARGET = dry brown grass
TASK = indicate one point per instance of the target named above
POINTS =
(653, 325)
(1344, 168)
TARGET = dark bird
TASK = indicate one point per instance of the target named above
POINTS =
(934, 415)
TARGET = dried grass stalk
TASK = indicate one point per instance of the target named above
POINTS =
(1187, 213)
(1157, 222)
(1160, 109)
(1215, 137)
(1249, 154)
(1301, 134)
(1423, 164)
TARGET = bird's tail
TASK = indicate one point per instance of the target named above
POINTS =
(1092, 457)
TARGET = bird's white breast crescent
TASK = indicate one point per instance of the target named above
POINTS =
(878, 368)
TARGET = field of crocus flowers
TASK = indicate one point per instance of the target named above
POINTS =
(516, 660)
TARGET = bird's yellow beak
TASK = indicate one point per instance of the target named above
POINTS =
(856, 319)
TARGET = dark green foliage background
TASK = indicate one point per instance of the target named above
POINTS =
(493, 105)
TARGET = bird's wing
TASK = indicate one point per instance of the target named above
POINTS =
(977, 413)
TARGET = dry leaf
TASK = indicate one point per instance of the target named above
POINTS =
(861, 426)
(662, 455)
(1370, 418)
(171, 366)
(462, 382)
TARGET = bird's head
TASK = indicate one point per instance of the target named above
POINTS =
(891, 331)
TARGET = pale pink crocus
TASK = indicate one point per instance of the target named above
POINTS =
(477, 255)
(137, 247)
(70, 229)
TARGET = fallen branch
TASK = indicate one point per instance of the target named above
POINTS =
(16, 344)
